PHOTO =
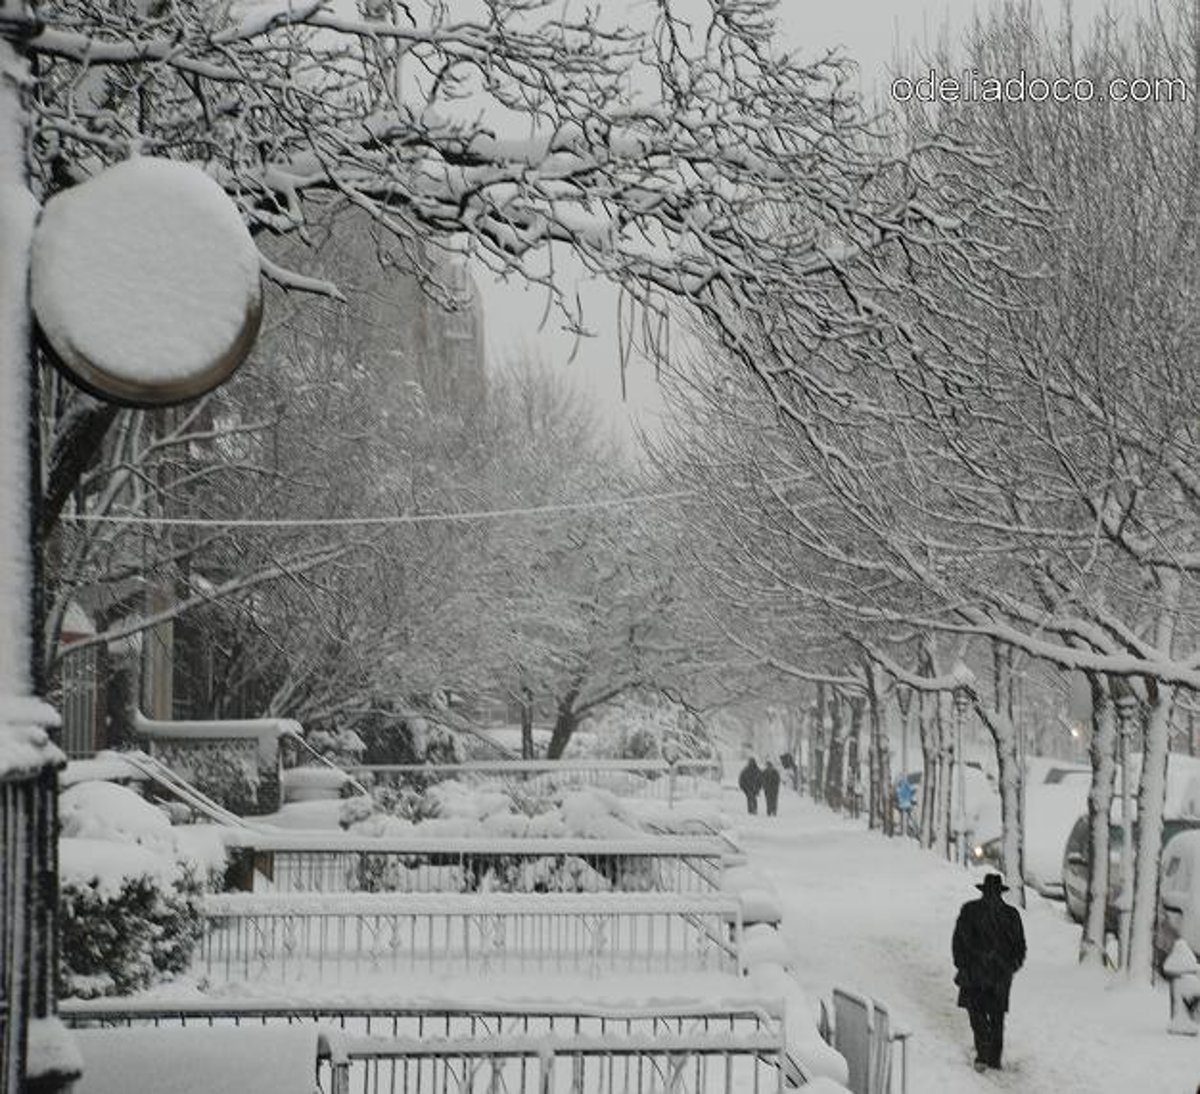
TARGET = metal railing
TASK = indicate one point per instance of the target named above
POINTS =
(28, 932)
(348, 863)
(861, 1029)
(631, 778)
(324, 937)
(548, 1064)
(534, 1047)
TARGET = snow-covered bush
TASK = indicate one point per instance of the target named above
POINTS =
(454, 809)
(129, 917)
(129, 887)
(644, 728)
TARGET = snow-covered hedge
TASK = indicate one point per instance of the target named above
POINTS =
(129, 887)
(454, 809)
(460, 809)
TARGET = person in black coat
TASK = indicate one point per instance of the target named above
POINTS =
(750, 781)
(770, 785)
(989, 947)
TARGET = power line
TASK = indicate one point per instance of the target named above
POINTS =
(399, 519)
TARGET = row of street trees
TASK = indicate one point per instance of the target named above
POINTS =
(685, 159)
(994, 449)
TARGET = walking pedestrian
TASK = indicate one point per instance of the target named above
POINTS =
(770, 785)
(988, 947)
(750, 781)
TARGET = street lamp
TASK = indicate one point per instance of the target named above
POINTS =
(1126, 703)
(964, 681)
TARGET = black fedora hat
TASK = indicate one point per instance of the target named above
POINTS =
(993, 883)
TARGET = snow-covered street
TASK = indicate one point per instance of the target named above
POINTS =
(875, 915)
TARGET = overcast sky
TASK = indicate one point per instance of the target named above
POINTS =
(871, 32)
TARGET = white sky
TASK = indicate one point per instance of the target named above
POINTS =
(870, 32)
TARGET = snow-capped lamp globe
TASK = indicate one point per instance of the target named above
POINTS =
(145, 283)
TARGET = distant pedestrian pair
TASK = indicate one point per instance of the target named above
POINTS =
(989, 947)
(754, 779)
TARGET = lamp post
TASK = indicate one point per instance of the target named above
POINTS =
(964, 679)
(75, 234)
(1126, 704)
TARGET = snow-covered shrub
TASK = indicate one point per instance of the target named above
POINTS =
(129, 889)
(224, 774)
(129, 917)
(641, 728)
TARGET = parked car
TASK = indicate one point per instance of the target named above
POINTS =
(1075, 863)
(1051, 810)
(1055, 794)
(1179, 895)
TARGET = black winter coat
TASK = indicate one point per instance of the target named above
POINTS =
(750, 780)
(770, 780)
(989, 946)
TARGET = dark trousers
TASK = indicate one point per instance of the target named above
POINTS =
(751, 801)
(987, 1023)
(772, 802)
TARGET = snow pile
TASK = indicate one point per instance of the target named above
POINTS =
(145, 280)
(107, 867)
(103, 810)
(686, 816)
(25, 747)
(455, 799)
(772, 981)
(51, 1050)
(598, 814)
(105, 765)
(110, 834)
(168, 1060)
(462, 810)
(760, 903)
(762, 944)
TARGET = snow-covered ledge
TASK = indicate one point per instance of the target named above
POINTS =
(266, 731)
(25, 745)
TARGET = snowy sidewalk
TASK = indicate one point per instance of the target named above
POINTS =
(875, 915)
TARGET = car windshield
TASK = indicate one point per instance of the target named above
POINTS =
(1116, 831)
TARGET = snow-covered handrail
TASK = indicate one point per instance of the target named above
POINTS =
(468, 904)
(643, 846)
(359, 1011)
(651, 778)
(737, 1040)
(314, 936)
(539, 767)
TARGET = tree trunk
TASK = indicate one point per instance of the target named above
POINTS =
(944, 832)
(854, 757)
(74, 448)
(1010, 773)
(566, 721)
(816, 774)
(875, 810)
(527, 751)
(833, 761)
(930, 773)
(1101, 750)
(1152, 790)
